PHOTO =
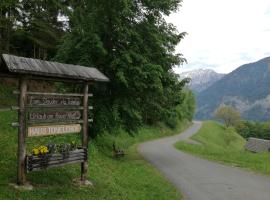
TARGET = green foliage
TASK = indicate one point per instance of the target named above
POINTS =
(224, 145)
(128, 178)
(130, 42)
(228, 115)
(6, 97)
(30, 28)
(127, 40)
(254, 129)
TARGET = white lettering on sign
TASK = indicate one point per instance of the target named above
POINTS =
(53, 100)
(56, 116)
(53, 130)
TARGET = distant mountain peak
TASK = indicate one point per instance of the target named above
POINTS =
(246, 88)
(201, 78)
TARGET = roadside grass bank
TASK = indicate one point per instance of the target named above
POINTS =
(225, 145)
(130, 177)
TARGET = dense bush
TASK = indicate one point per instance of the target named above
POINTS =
(254, 129)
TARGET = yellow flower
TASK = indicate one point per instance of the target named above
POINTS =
(35, 151)
(43, 150)
(40, 150)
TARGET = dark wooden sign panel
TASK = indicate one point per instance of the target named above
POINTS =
(53, 101)
(58, 116)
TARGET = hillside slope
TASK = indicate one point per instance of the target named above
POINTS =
(247, 88)
(225, 145)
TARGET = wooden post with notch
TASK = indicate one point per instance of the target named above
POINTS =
(21, 178)
(84, 165)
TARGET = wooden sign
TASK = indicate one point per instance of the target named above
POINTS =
(53, 101)
(54, 116)
(53, 130)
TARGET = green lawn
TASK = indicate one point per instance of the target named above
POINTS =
(225, 145)
(128, 178)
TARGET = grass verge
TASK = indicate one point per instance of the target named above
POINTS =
(225, 145)
(128, 178)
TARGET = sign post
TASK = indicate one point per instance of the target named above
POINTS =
(22, 132)
(45, 114)
(84, 165)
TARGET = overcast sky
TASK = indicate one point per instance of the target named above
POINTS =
(223, 34)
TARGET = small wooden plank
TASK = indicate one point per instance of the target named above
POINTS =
(57, 165)
(53, 130)
(53, 101)
(47, 123)
(57, 116)
(36, 163)
(53, 107)
(48, 107)
(56, 158)
(53, 94)
(6, 75)
(55, 162)
(75, 152)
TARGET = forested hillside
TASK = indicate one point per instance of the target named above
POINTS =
(129, 41)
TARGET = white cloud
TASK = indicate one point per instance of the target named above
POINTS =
(223, 34)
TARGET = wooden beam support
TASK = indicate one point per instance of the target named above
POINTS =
(8, 75)
(84, 165)
(21, 178)
(53, 94)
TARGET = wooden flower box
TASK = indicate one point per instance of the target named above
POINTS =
(37, 163)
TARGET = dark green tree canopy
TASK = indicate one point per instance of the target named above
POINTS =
(31, 28)
(128, 40)
(131, 42)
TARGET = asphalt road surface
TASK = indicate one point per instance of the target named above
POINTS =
(200, 179)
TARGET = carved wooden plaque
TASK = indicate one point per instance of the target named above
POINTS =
(53, 130)
(53, 101)
(58, 116)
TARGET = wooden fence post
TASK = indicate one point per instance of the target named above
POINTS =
(21, 178)
(84, 166)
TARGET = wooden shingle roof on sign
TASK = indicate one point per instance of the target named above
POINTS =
(30, 66)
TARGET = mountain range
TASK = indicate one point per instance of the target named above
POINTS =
(247, 89)
(201, 78)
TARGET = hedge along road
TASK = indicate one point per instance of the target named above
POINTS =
(200, 179)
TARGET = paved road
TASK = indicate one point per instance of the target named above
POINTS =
(200, 179)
